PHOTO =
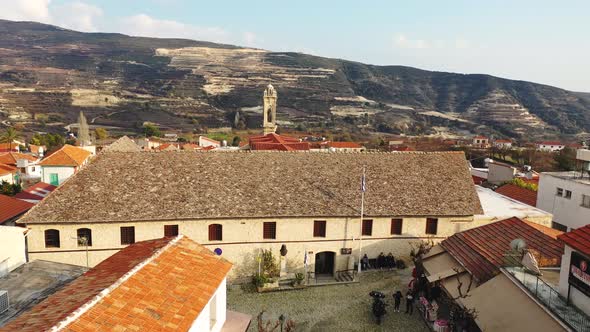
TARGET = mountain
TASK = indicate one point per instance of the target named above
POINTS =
(48, 74)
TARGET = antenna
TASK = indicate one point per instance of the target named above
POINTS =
(518, 244)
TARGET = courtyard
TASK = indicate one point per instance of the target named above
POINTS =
(342, 307)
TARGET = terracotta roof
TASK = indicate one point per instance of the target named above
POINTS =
(520, 194)
(261, 184)
(550, 143)
(68, 155)
(123, 144)
(10, 158)
(190, 146)
(8, 147)
(502, 141)
(154, 285)
(11, 207)
(35, 148)
(344, 145)
(7, 169)
(578, 239)
(275, 142)
(480, 137)
(478, 180)
(554, 233)
(481, 250)
(167, 147)
(36, 192)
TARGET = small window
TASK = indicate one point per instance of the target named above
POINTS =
(586, 201)
(558, 226)
(319, 228)
(568, 194)
(215, 232)
(84, 237)
(52, 238)
(170, 230)
(396, 226)
(559, 192)
(128, 235)
(431, 226)
(269, 230)
(367, 227)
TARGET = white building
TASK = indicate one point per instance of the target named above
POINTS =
(550, 146)
(574, 276)
(503, 143)
(567, 195)
(206, 142)
(13, 253)
(63, 163)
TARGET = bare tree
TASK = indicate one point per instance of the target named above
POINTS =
(268, 326)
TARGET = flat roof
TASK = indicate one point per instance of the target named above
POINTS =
(33, 282)
(570, 176)
(499, 206)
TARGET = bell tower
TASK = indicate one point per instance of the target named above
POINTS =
(269, 123)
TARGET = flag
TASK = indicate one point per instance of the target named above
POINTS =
(305, 259)
(363, 183)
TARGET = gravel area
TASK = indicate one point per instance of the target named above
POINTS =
(330, 308)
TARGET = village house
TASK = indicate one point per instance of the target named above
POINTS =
(205, 142)
(27, 166)
(481, 142)
(246, 201)
(523, 195)
(490, 270)
(574, 276)
(167, 284)
(550, 146)
(8, 174)
(37, 150)
(342, 146)
(497, 206)
(63, 163)
(503, 143)
(13, 253)
(10, 147)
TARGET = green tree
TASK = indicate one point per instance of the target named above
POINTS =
(9, 189)
(566, 159)
(101, 133)
(9, 135)
(151, 130)
(236, 141)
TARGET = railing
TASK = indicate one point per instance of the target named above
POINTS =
(312, 278)
(551, 299)
(350, 272)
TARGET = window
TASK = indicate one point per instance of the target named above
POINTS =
(319, 228)
(84, 237)
(559, 192)
(558, 226)
(270, 230)
(568, 194)
(396, 226)
(128, 235)
(170, 230)
(586, 201)
(215, 232)
(51, 238)
(431, 225)
(367, 227)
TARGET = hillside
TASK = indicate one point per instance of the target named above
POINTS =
(49, 74)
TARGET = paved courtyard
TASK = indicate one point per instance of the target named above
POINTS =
(330, 308)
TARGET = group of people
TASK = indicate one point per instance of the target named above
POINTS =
(397, 298)
(383, 262)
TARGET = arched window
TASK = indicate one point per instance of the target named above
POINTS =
(84, 237)
(51, 238)
(215, 232)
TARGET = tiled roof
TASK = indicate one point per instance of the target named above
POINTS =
(578, 239)
(152, 285)
(7, 169)
(520, 194)
(344, 145)
(8, 147)
(550, 143)
(261, 184)
(11, 207)
(481, 250)
(35, 148)
(68, 155)
(123, 144)
(480, 137)
(275, 142)
(503, 141)
(10, 158)
(36, 192)
(167, 147)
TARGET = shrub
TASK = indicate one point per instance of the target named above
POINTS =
(259, 280)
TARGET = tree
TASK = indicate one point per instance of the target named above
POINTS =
(101, 133)
(9, 135)
(151, 130)
(566, 159)
(83, 131)
(236, 141)
(9, 189)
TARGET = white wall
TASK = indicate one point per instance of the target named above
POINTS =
(216, 306)
(498, 174)
(63, 172)
(12, 254)
(578, 298)
(8, 178)
(568, 212)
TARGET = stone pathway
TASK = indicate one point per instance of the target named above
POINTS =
(330, 308)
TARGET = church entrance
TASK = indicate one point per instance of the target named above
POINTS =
(324, 263)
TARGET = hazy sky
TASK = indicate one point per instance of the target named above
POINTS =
(533, 40)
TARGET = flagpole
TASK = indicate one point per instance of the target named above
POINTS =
(363, 188)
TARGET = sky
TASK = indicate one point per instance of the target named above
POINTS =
(533, 40)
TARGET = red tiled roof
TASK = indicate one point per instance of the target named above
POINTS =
(344, 145)
(173, 280)
(578, 239)
(7, 169)
(6, 147)
(68, 155)
(520, 194)
(35, 148)
(10, 158)
(550, 143)
(276, 142)
(37, 191)
(11, 207)
(481, 250)
(480, 137)
(503, 141)
(478, 180)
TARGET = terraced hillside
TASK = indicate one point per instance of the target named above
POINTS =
(48, 74)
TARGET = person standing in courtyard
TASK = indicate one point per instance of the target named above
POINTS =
(397, 298)
(409, 302)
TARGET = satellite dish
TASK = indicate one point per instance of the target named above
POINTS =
(518, 244)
